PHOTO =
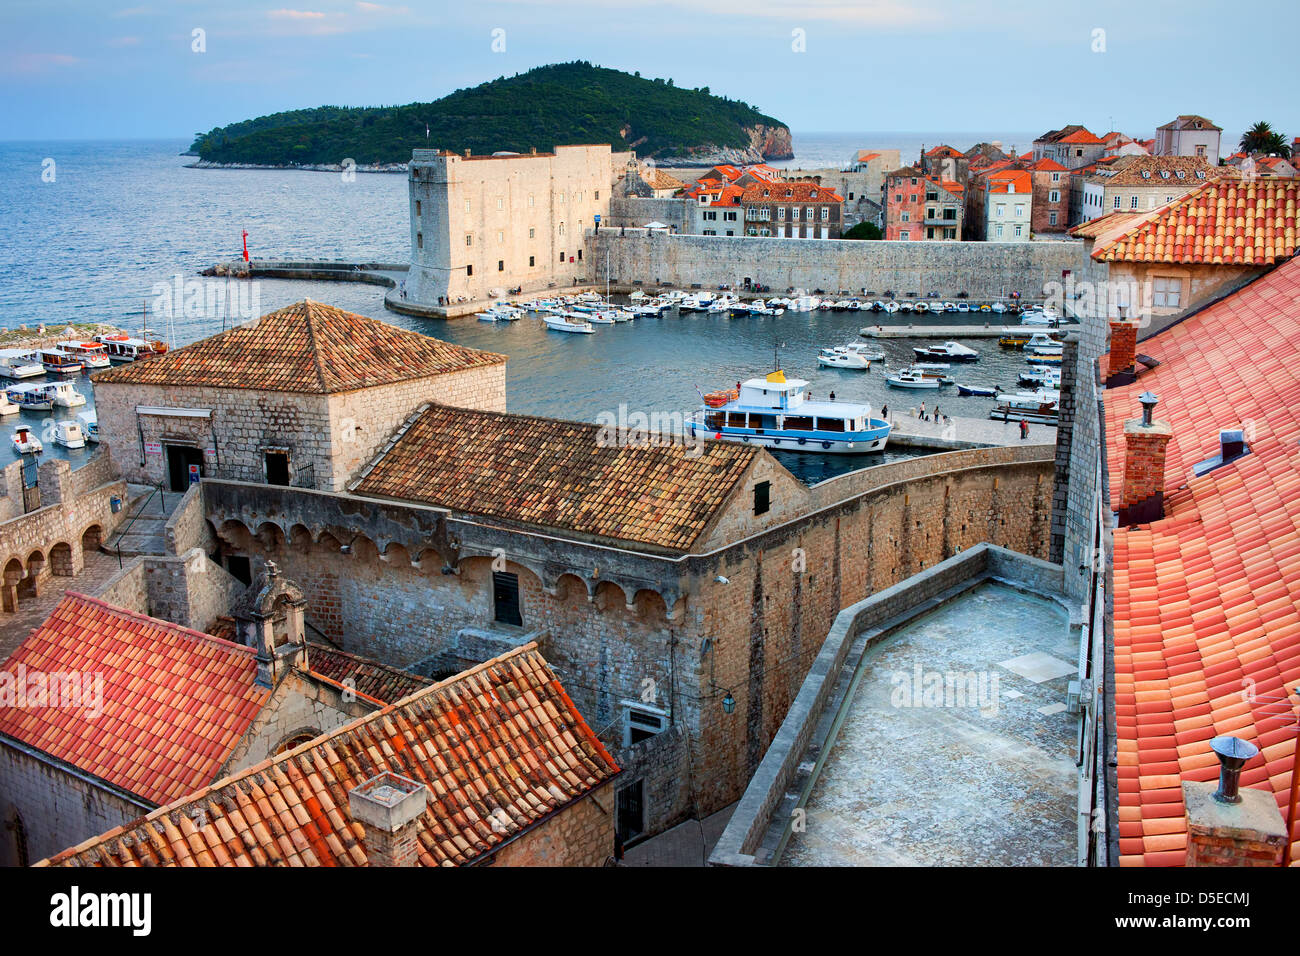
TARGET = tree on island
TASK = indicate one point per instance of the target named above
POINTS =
(1262, 140)
(864, 230)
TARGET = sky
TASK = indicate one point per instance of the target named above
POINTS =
(100, 69)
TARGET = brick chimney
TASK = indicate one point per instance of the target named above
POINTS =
(1230, 826)
(1122, 367)
(1142, 498)
(389, 807)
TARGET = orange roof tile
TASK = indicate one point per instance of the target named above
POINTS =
(557, 474)
(307, 347)
(500, 748)
(1228, 222)
(175, 701)
(377, 681)
(790, 191)
(1207, 599)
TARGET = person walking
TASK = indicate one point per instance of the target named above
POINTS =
(832, 396)
(923, 411)
(1024, 429)
(884, 412)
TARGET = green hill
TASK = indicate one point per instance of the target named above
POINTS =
(548, 106)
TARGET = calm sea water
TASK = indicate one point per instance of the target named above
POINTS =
(120, 218)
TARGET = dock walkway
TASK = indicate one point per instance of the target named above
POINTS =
(985, 331)
(956, 433)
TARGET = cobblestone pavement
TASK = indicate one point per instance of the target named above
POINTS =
(14, 628)
(687, 844)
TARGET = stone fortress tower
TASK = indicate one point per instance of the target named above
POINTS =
(481, 225)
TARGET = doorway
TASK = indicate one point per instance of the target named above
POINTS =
(629, 816)
(277, 468)
(180, 459)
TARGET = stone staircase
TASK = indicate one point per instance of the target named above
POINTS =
(143, 530)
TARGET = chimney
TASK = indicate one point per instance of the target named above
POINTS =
(389, 807)
(1142, 499)
(467, 154)
(1123, 354)
(1230, 826)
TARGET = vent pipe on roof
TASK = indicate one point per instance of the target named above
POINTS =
(389, 806)
(1233, 752)
(1232, 826)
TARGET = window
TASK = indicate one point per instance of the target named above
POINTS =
(1018, 228)
(501, 265)
(1001, 209)
(931, 214)
(929, 232)
(1167, 293)
(780, 213)
(641, 723)
(729, 216)
(469, 270)
(709, 232)
(419, 240)
(1200, 151)
(597, 195)
(762, 497)
(532, 233)
(277, 468)
(999, 230)
(1051, 218)
(907, 216)
(1020, 210)
(931, 196)
(1133, 202)
(467, 205)
(950, 233)
(501, 203)
(561, 257)
(850, 197)
(1078, 152)
(711, 216)
(905, 235)
(1116, 203)
(501, 237)
(469, 240)
(561, 228)
(530, 200)
(1056, 177)
(505, 599)
(579, 255)
(532, 261)
(1169, 199)
(417, 207)
(1054, 196)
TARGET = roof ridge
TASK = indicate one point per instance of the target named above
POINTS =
(179, 629)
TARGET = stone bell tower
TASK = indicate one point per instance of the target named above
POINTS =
(271, 618)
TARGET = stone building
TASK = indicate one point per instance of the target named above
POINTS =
(1136, 183)
(1072, 147)
(303, 396)
(481, 225)
(794, 210)
(1189, 135)
(106, 713)
(680, 598)
(999, 205)
(493, 766)
(1051, 184)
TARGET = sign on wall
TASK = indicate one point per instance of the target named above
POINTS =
(153, 448)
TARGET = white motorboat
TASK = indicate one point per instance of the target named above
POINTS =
(804, 303)
(948, 351)
(909, 378)
(68, 433)
(16, 363)
(998, 307)
(722, 304)
(30, 397)
(89, 425)
(777, 413)
(1042, 340)
(699, 302)
(892, 307)
(89, 354)
(1041, 376)
(1036, 400)
(62, 394)
(569, 323)
(1037, 315)
(854, 355)
(25, 442)
(963, 307)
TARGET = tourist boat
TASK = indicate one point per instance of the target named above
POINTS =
(984, 391)
(56, 361)
(569, 323)
(849, 356)
(89, 354)
(25, 442)
(123, 348)
(89, 425)
(16, 363)
(910, 378)
(776, 413)
(948, 351)
(62, 394)
(1043, 359)
(935, 370)
(68, 433)
(30, 397)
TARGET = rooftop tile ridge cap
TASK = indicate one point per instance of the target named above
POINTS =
(180, 629)
(330, 681)
(313, 347)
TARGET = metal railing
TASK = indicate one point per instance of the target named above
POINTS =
(144, 506)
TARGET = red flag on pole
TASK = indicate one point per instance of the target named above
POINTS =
(245, 245)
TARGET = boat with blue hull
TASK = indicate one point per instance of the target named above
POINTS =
(777, 413)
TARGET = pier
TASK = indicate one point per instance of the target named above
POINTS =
(985, 331)
(957, 433)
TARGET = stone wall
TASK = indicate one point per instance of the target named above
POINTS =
(635, 212)
(982, 270)
(188, 589)
(59, 806)
(188, 526)
(580, 834)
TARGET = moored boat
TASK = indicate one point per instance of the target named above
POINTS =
(947, 352)
(25, 442)
(910, 378)
(68, 433)
(90, 354)
(16, 364)
(777, 413)
(30, 397)
(569, 323)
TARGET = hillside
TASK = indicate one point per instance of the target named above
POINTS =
(548, 106)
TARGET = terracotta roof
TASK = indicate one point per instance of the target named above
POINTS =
(1001, 182)
(1236, 222)
(790, 191)
(1080, 137)
(1190, 121)
(1207, 599)
(658, 179)
(378, 681)
(500, 747)
(1070, 134)
(1152, 170)
(1047, 165)
(307, 347)
(175, 701)
(557, 474)
(951, 186)
(943, 150)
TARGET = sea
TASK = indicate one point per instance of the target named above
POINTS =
(97, 231)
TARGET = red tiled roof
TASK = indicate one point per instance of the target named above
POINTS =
(557, 474)
(1235, 222)
(1080, 137)
(1207, 599)
(1001, 182)
(175, 701)
(307, 347)
(377, 681)
(500, 748)
(1047, 165)
(943, 150)
(790, 191)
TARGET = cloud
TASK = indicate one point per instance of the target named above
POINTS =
(131, 12)
(308, 22)
(31, 63)
(365, 7)
(877, 13)
(295, 14)
(124, 41)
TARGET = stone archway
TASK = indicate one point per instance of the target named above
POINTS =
(13, 576)
(31, 582)
(61, 560)
(92, 538)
